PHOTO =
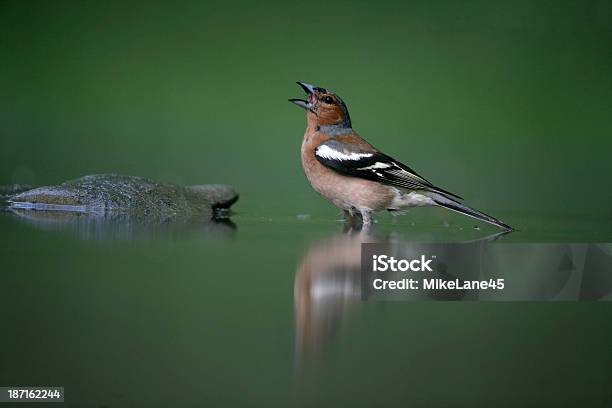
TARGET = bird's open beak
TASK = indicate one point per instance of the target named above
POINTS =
(309, 89)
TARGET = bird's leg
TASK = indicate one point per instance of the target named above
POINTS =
(366, 219)
(349, 217)
(350, 220)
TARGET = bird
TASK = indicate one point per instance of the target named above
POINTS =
(357, 177)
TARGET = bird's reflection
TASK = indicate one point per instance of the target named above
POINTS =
(328, 280)
(327, 285)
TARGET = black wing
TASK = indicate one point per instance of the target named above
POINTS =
(372, 165)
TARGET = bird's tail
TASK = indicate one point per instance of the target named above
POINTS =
(453, 205)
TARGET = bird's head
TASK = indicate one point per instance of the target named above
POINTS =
(323, 107)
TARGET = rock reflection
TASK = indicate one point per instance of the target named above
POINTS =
(120, 226)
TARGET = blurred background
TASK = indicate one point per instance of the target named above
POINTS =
(508, 104)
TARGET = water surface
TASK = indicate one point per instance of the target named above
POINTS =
(226, 315)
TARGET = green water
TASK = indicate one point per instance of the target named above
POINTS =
(208, 316)
(505, 103)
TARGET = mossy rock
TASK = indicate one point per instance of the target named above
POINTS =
(134, 196)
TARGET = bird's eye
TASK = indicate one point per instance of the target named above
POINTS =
(328, 99)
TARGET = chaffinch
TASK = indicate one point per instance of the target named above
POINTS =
(357, 177)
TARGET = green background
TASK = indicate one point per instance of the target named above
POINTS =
(508, 104)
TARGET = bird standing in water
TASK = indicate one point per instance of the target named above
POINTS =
(354, 175)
